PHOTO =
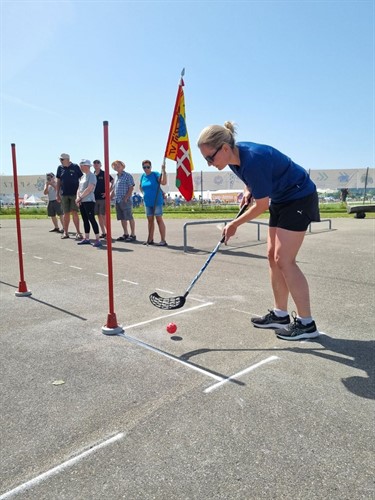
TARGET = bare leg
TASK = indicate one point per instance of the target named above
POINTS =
(76, 221)
(55, 223)
(101, 220)
(66, 222)
(287, 245)
(124, 224)
(162, 230)
(279, 286)
(151, 227)
(132, 227)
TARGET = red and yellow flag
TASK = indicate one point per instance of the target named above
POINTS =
(178, 147)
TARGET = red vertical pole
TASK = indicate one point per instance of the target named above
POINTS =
(111, 327)
(22, 287)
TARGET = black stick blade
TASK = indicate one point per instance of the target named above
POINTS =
(167, 303)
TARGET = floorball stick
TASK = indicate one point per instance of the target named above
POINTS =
(177, 302)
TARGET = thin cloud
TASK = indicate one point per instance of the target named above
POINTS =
(20, 102)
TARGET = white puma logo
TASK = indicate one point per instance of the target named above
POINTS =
(299, 212)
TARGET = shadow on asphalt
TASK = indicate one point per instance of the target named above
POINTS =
(361, 353)
(46, 303)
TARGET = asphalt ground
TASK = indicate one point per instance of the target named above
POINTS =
(219, 410)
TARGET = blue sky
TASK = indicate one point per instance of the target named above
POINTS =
(298, 75)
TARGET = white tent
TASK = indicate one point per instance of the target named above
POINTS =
(33, 200)
(327, 191)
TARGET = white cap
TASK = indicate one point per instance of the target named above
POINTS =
(85, 162)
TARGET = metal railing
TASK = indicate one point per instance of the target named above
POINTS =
(225, 221)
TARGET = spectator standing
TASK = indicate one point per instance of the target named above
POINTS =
(122, 194)
(137, 199)
(100, 195)
(153, 200)
(68, 175)
(344, 194)
(53, 207)
(86, 201)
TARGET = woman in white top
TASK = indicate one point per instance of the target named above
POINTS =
(86, 202)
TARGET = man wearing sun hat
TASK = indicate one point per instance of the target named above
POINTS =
(68, 175)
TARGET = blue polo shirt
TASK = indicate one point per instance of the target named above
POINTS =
(268, 172)
(69, 179)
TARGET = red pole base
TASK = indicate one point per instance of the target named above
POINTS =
(111, 321)
(22, 290)
(111, 327)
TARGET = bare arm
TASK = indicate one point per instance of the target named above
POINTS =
(257, 208)
(129, 193)
(163, 177)
(58, 186)
(90, 188)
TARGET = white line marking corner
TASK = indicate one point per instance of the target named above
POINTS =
(239, 374)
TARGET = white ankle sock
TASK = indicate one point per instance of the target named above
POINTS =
(280, 313)
(305, 321)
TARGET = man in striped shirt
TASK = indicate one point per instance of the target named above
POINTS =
(122, 193)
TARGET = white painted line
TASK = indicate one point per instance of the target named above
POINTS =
(174, 358)
(166, 291)
(36, 257)
(9, 250)
(59, 468)
(102, 274)
(168, 315)
(239, 374)
(244, 312)
(55, 262)
(131, 282)
(197, 300)
(75, 267)
(257, 315)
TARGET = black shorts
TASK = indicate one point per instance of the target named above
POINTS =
(53, 208)
(295, 215)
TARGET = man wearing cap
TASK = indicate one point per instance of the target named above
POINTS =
(86, 202)
(100, 195)
(68, 175)
(53, 207)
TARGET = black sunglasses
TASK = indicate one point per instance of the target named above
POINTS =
(211, 158)
(146, 166)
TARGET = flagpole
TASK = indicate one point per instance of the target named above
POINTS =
(181, 84)
(171, 129)
(178, 147)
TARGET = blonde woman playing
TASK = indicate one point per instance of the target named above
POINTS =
(275, 183)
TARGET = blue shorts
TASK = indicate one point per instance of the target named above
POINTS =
(158, 210)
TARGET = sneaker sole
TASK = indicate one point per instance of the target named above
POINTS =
(271, 325)
(302, 336)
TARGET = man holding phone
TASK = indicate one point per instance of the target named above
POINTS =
(53, 207)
